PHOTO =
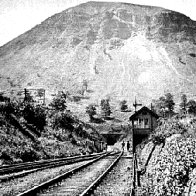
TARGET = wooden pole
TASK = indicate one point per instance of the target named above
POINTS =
(25, 93)
(133, 144)
(44, 101)
(151, 120)
(136, 104)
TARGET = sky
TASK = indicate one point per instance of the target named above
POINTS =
(18, 16)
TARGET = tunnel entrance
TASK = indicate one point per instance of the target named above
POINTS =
(111, 138)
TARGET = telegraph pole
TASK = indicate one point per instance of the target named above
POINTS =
(25, 94)
(44, 97)
(136, 104)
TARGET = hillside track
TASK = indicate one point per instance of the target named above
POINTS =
(75, 181)
(19, 170)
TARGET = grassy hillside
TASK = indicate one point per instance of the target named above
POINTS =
(31, 132)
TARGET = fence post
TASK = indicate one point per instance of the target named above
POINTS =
(133, 178)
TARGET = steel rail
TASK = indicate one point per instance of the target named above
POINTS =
(135, 179)
(52, 165)
(94, 184)
(45, 161)
(45, 185)
(33, 165)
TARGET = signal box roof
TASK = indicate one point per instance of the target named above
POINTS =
(143, 109)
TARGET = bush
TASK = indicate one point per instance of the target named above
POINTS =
(158, 139)
(91, 111)
(174, 163)
(35, 115)
(62, 120)
(59, 102)
(29, 154)
(5, 154)
(167, 128)
(105, 108)
(9, 107)
(123, 106)
(174, 166)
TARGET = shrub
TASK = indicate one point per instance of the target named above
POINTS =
(5, 154)
(29, 154)
(174, 166)
(91, 111)
(62, 120)
(191, 105)
(85, 85)
(105, 108)
(167, 128)
(59, 102)
(174, 163)
(10, 107)
(164, 106)
(123, 105)
(35, 115)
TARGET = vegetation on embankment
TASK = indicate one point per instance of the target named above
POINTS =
(172, 163)
(31, 132)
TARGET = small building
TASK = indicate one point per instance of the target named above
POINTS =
(143, 121)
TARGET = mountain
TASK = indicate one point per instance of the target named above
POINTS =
(122, 51)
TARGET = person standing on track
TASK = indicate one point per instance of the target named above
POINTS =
(106, 147)
(123, 145)
(128, 146)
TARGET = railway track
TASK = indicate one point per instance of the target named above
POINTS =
(80, 181)
(119, 180)
(20, 170)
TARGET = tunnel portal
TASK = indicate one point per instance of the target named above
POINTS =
(111, 138)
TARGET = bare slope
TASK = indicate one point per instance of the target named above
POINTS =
(122, 50)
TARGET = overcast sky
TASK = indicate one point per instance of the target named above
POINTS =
(18, 16)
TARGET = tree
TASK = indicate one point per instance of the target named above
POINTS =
(35, 115)
(3, 98)
(183, 104)
(85, 84)
(159, 106)
(62, 120)
(105, 108)
(91, 111)
(169, 103)
(123, 105)
(191, 105)
(164, 106)
(59, 102)
(28, 98)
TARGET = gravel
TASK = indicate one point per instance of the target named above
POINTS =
(77, 183)
(118, 181)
